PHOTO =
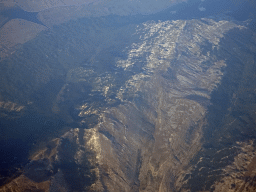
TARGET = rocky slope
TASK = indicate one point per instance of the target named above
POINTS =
(171, 108)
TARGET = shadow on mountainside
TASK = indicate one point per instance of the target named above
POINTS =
(232, 100)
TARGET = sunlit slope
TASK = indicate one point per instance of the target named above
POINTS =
(173, 109)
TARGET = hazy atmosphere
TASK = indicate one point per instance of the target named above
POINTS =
(128, 95)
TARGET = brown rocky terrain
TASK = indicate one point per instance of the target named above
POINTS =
(159, 106)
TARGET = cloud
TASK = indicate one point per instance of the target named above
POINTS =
(202, 9)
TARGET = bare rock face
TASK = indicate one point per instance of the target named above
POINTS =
(240, 175)
(162, 127)
(174, 110)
